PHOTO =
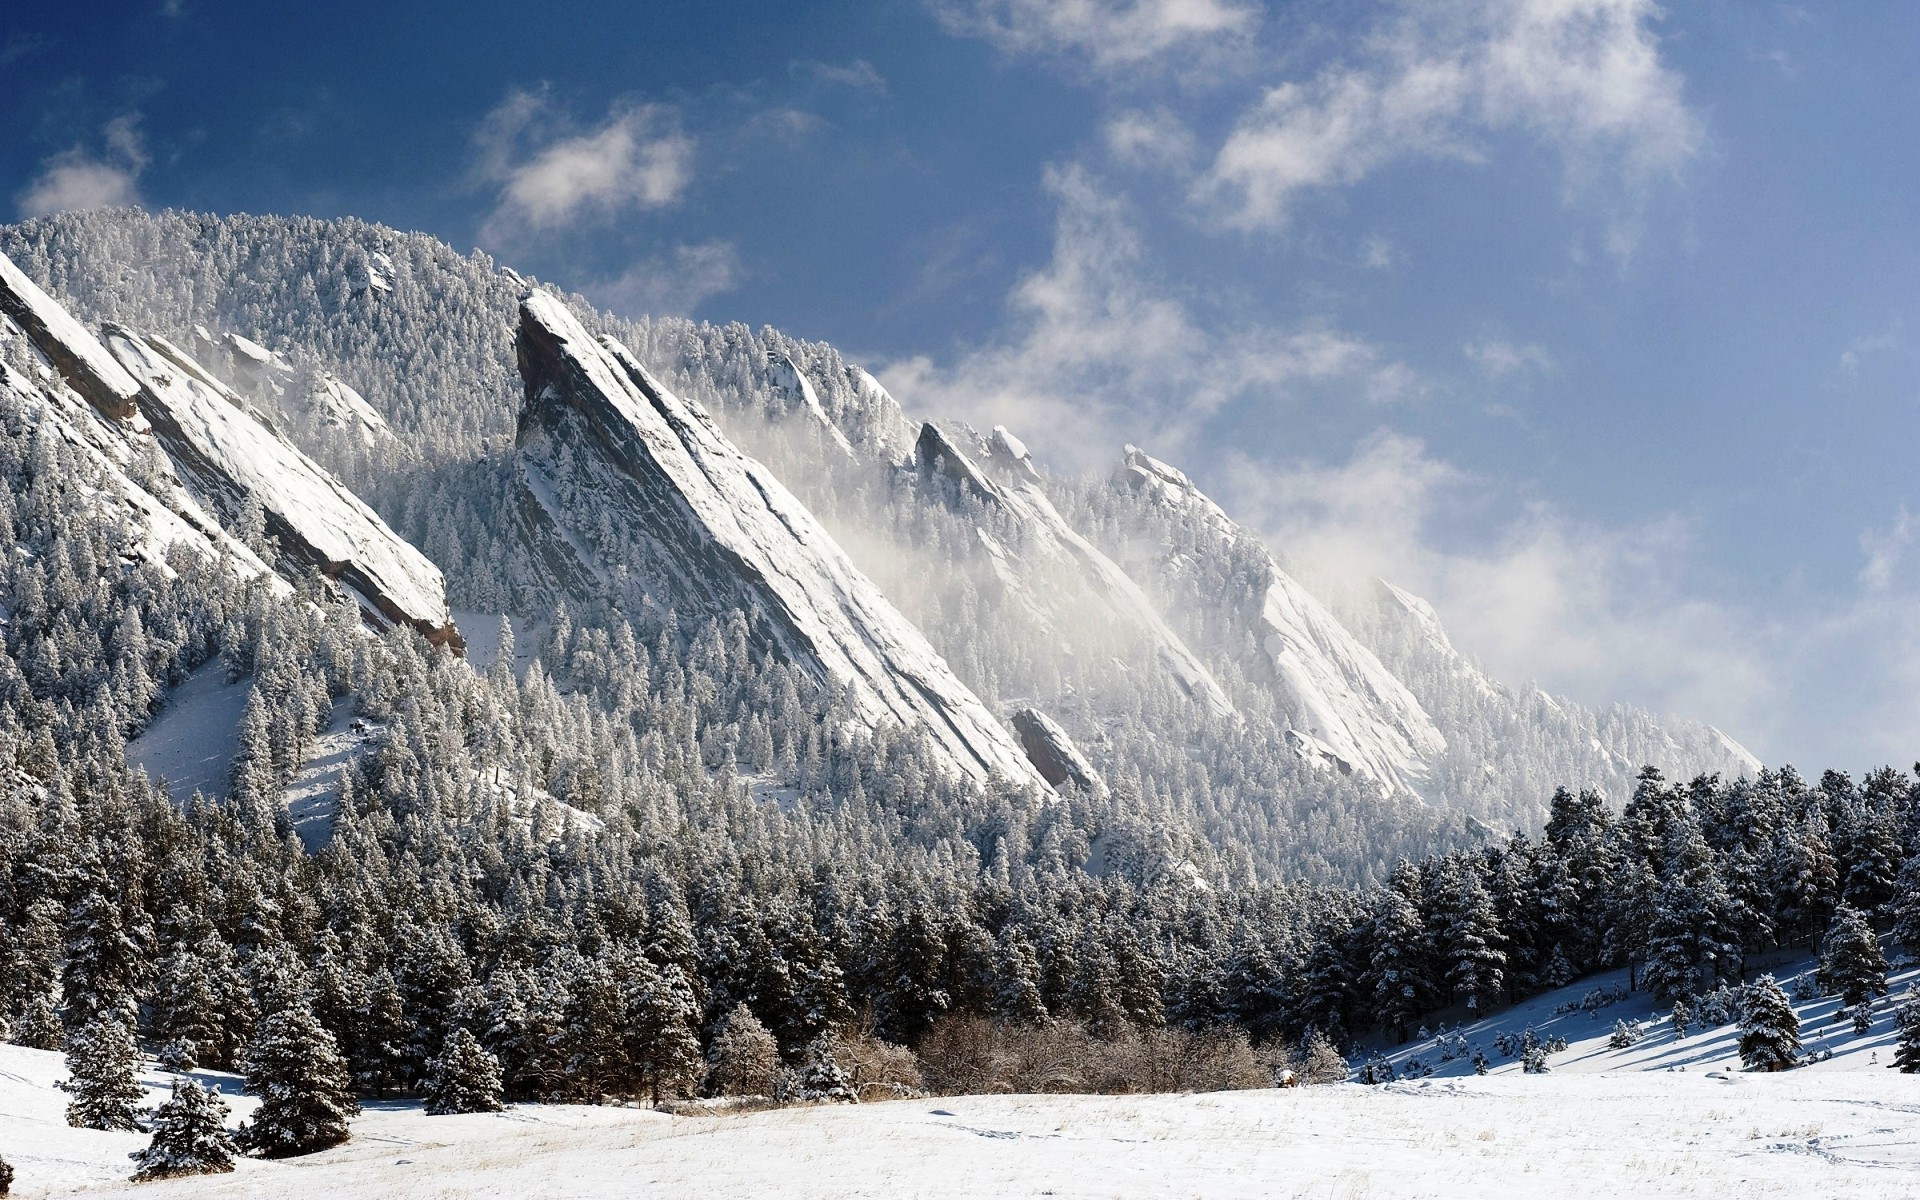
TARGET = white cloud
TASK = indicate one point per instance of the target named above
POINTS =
(1600, 613)
(1583, 76)
(1378, 253)
(1098, 353)
(859, 74)
(1611, 612)
(1498, 359)
(1111, 36)
(1862, 348)
(673, 285)
(638, 158)
(77, 178)
(1149, 139)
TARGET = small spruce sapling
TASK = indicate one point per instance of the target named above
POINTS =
(1681, 1019)
(189, 1136)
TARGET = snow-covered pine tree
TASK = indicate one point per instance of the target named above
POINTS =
(1681, 1019)
(189, 1135)
(744, 1059)
(303, 1085)
(463, 1078)
(103, 1062)
(1906, 1053)
(6, 1178)
(1769, 1028)
(821, 1075)
(1851, 964)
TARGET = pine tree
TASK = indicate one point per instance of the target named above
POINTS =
(189, 1135)
(1472, 939)
(1769, 1029)
(6, 1178)
(464, 1078)
(296, 1070)
(1851, 964)
(105, 1089)
(821, 1075)
(1906, 1054)
(1398, 976)
(1681, 1019)
(744, 1059)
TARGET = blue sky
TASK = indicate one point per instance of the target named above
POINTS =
(1593, 321)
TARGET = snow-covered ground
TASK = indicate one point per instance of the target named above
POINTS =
(191, 742)
(1852, 1134)
(1666, 1117)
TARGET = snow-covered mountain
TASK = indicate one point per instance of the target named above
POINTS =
(630, 489)
(424, 427)
(229, 457)
(1350, 708)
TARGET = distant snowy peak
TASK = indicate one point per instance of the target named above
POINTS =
(1357, 712)
(792, 382)
(232, 456)
(1010, 484)
(624, 479)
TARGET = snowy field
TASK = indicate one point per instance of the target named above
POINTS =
(1666, 1117)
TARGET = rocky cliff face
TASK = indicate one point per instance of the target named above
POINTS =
(1059, 576)
(228, 457)
(1358, 716)
(629, 489)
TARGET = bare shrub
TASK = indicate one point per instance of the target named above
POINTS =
(876, 1069)
(972, 1055)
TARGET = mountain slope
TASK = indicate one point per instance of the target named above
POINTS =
(1336, 689)
(634, 479)
(230, 457)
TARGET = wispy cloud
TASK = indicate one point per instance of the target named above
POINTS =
(1110, 36)
(80, 178)
(551, 174)
(1583, 76)
(1098, 352)
(858, 74)
(1860, 349)
(1149, 139)
(1499, 359)
(674, 284)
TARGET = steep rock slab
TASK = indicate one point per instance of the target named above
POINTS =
(1357, 711)
(158, 514)
(230, 454)
(227, 453)
(625, 477)
(1052, 554)
(85, 365)
(1052, 752)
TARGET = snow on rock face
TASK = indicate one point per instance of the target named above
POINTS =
(789, 379)
(161, 516)
(625, 477)
(887, 425)
(74, 352)
(230, 455)
(1057, 553)
(341, 407)
(1052, 752)
(1340, 693)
